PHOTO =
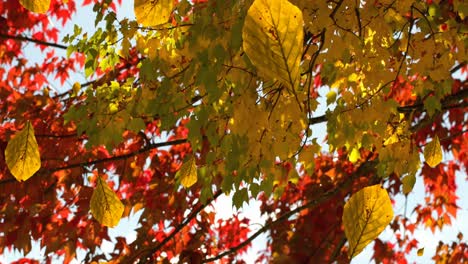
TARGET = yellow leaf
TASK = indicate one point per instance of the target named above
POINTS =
(22, 154)
(365, 216)
(187, 175)
(420, 252)
(355, 155)
(433, 152)
(273, 38)
(105, 206)
(37, 6)
(152, 13)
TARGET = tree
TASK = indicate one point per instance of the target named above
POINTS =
(196, 99)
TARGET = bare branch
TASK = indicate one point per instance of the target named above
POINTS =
(110, 159)
(152, 249)
(40, 42)
(119, 157)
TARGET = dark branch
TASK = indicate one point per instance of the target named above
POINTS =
(99, 161)
(119, 157)
(40, 42)
(152, 249)
(458, 67)
(449, 102)
(83, 85)
(54, 136)
(365, 166)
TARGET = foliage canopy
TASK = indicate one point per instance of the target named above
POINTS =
(197, 99)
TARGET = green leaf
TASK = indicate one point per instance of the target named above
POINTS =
(432, 105)
(187, 175)
(37, 6)
(105, 206)
(273, 37)
(239, 197)
(152, 13)
(408, 183)
(433, 152)
(136, 124)
(22, 154)
(365, 216)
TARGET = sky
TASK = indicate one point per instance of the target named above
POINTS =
(223, 205)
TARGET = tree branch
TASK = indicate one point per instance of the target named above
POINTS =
(99, 161)
(447, 103)
(310, 205)
(152, 249)
(119, 157)
(40, 42)
(283, 217)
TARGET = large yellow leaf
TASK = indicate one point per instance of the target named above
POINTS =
(105, 206)
(433, 152)
(365, 216)
(153, 12)
(22, 154)
(37, 6)
(187, 175)
(273, 38)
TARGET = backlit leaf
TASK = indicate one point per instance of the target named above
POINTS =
(152, 13)
(354, 155)
(365, 216)
(37, 6)
(105, 206)
(187, 175)
(272, 38)
(408, 183)
(433, 152)
(22, 154)
(420, 252)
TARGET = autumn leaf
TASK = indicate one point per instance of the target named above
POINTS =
(408, 183)
(420, 252)
(22, 154)
(187, 174)
(354, 156)
(365, 216)
(272, 38)
(153, 13)
(37, 6)
(105, 206)
(433, 152)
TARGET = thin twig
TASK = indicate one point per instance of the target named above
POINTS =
(40, 42)
(110, 159)
(309, 205)
(152, 249)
